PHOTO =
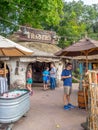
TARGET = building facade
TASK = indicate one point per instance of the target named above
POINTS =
(44, 45)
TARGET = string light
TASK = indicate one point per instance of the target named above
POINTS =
(14, 23)
(67, 37)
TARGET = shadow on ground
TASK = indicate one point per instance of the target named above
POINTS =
(47, 113)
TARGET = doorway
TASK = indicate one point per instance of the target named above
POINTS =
(37, 69)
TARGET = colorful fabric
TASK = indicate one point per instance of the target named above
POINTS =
(81, 68)
(29, 81)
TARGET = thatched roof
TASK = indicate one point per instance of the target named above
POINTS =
(40, 49)
(92, 57)
(85, 46)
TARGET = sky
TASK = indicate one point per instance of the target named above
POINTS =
(88, 2)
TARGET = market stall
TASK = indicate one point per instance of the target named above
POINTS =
(86, 47)
(13, 104)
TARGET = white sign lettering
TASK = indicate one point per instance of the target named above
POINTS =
(37, 36)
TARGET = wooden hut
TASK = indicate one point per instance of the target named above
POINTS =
(44, 45)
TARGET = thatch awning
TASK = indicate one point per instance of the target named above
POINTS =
(82, 47)
(41, 47)
(4, 58)
(10, 48)
(92, 57)
(39, 59)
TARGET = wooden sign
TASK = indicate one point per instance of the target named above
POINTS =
(36, 35)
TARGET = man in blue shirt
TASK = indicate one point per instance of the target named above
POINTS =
(66, 76)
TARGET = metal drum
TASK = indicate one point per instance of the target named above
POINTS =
(13, 108)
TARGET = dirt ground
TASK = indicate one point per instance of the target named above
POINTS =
(47, 113)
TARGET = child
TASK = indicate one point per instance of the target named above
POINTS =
(46, 78)
(29, 81)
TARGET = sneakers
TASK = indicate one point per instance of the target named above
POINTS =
(66, 107)
(71, 106)
(31, 93)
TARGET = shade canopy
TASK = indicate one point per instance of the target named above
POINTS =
(85, 46)
(10, 48)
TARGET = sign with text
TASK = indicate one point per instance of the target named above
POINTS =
(35, 35)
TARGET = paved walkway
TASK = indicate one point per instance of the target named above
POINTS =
(47, 113)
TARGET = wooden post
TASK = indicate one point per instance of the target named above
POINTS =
(85, 97)
(86, 62)
(4, 69)
(93, 81)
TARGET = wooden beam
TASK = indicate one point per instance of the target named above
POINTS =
(4, 69)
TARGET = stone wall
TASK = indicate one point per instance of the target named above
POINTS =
(59, 66)
(17, 73)
(18, 70)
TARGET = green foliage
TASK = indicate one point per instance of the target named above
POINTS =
(78, 20)
(34, 13)
(76, 75)
(71, 20)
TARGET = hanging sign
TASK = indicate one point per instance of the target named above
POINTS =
(35, 35)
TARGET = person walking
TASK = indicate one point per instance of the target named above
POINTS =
(66, 76)
(46, 78)
(52, 77)
(29, 81)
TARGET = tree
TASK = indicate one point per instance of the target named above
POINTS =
(91, 19)
(71, 27)
(78, 20)
(34, 13)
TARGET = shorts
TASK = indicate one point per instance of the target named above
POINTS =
(45, 81)
(29, 81)
(67, 90)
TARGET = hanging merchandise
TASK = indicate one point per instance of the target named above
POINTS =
(81, 68)
(3, 85)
